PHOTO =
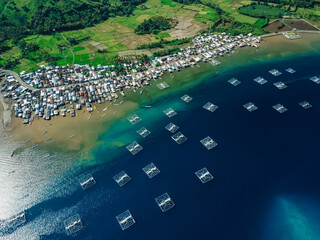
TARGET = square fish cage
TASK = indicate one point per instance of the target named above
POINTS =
(235, 82)
(315, 79)
(215, 62)
(134, 148)
(275, 72)
(290, 70)
(280, 85)
(260, 80)
(164, 202)
(208, 143)
(151, 170)
(162, 85)
(186, 98)
(134, 119)
(73, 225)
(250, 107)
(170, 112)
(280, 108)
(17, 220)
(172, 127)
(210, 107)
(143, 132)
(179, 138)
(86, 181)
(204, 175)
(125, 220)
(305, 105)
(122, 178)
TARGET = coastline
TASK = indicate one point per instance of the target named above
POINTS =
(5, 113)
(81, 133)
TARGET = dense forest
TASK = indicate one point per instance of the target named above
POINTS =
(154, 25)
(21, 17)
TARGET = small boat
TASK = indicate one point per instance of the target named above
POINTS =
(48, 139)
(34, 146)
(147, 106)
(12, 153)
(141, 92)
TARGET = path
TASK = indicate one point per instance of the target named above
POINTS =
(73, 57)
(21, 82)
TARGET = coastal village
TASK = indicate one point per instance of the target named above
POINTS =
(64, 90)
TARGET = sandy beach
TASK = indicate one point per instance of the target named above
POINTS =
(82, 132)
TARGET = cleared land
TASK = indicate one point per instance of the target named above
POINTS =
(277, 26)
(300, 25)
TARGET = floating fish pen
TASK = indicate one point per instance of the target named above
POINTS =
(235, 82)
(164, 202)
(134, 147)
(122, 178)
(204, 175)
(305, 105)
(315, 79)
(250, 107)
(290, 70)
(151, 170)
(280, 108)
(162, 85)
(73, 225)
(134, 119)
(186, 98)
(179, 138)
(170, 112)
(208, 143)
(143, 132)
(17, 220)
(260, 80)
(275, 72)
(280, 85)
(172, 127)
(125, 220)
(86, 181)
(210, 107)
(215, 62)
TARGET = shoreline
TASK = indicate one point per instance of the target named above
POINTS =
(5, 113)
(87, 128)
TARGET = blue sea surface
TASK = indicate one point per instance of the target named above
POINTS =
(265, 167)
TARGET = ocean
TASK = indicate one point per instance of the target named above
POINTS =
(265, 167)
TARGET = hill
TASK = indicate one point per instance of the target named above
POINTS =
(21, 17)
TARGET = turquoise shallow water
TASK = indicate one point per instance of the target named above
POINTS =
(265, 167)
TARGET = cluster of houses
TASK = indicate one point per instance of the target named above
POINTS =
(65, 89)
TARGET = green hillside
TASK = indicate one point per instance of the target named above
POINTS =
(46, 16)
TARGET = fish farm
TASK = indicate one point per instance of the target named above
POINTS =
(122, 178)
(164, 202)
(125, 220)
(208, 143)
(204, 175)
(151, 170)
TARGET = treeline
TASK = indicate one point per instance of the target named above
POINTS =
(164, 43)
(154, 25)
(166, 52)
(235, 28)
(49, 16)
(187, 1)
(297, 3)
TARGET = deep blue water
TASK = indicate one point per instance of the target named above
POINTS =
(266, 165)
